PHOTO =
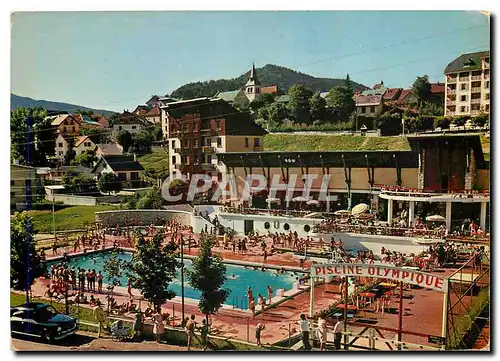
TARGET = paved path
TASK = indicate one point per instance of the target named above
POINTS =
(83, 342)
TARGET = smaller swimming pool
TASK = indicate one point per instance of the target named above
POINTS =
(239, 278)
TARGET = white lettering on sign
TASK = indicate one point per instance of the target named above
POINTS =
(422, 279)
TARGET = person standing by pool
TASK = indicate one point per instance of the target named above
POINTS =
(138, 323)
(189, 328)
(262, 302)
(337, 332)
(99, 282)
(258, 332)
(321, 333)
(269, 293)
(304, 328)
(81, 279)
(158, 326)
(251, 306)
(129, 288)
(249, 294)
(204, 334)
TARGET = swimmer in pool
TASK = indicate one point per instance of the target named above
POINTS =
(263, 269)
(233, 277)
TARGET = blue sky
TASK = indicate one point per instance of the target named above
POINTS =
(116, 60)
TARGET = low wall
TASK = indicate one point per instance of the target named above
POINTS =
(76, 200)
(138, 217)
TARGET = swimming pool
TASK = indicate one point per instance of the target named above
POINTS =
(239, 278)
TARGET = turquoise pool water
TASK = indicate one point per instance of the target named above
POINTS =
(239, 278)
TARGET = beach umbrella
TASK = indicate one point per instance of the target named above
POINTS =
(299, 199)
(365, 216)
(313, 202)
(359, 209)
(342, 212)
(272, 200)
(435, 218)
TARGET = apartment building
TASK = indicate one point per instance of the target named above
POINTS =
(468, 84)
(196, 130)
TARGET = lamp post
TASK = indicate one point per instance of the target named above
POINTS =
(53, 216)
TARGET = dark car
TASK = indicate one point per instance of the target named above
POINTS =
(42, 321)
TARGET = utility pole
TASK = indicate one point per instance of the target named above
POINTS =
(29, 140)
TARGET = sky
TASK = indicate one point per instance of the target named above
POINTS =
(117, 60)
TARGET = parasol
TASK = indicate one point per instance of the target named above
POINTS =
(435, 218)
(359, 209)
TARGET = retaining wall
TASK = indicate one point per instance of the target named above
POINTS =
(138, 217)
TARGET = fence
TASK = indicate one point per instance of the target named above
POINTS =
(468, 297)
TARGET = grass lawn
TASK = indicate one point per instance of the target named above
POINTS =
(76, 217)
(296, 142)
(156, 161)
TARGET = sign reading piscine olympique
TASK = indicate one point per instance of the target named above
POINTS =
(422, 279)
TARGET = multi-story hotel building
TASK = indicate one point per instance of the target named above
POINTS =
(468, 84)
(196, 130)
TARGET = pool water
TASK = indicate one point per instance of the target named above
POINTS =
(239, 278)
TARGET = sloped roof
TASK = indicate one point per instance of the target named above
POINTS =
(378, 91)
(142, 109)
(58, 119)
(269, 89)
(228, 96)
(392, 93)
(323, 94)
(466, 62)
(404, 94)
(155, 111)
(79, 140)
(110, 149)
(367, 99)
(129, 118)
(120, 163)
(90, 121)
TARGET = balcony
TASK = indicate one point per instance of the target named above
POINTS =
(486, 76)
(451, 91)
(208, 166)
(476, 90)
(451, 102)
(207, 131)
(451, 80)
(177, 150)
(476, 77)
(207, 149)
(464, 79)
(475, 101)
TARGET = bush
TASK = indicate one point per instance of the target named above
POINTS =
(425, 123)
(45, 205)
(460, 120)
(342, 126)
(481, 119)
(389, 124)
(442, 122)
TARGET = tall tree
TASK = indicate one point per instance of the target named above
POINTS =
(262, 100)
(114, 268)
(299, 103)
(341, 100)
(317, 107)
(153, 268)
(86, 159)
(109, 183)
(208, 275)
(142, 142)
(124, 138)
(70, 153)
(25, 263)
(151, 200)
(421, 88)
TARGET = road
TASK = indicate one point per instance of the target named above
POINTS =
(86, 342)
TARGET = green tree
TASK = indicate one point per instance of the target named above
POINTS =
(42, 134)
(109, 183)
(142, 142)
(262, 100)
(153, 268)
(97, 135)
(85, 159)
(78, 182)
(151, 200)
(317, 107)
(208, 275)
(114, 268)
(70, 153)
(340, 99)
(25, 263)
(481, 119)
(124, 138)
(421, 88)
(299, 103)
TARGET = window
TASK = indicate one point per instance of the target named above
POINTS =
(60, 153)
(372, 109)
(60, 145)
(12, 182)
(463, 86)
(122, 176)
(307, 228)
(267, 225)
(73, 129)
(463, 98)
(64, 129)
(217, 124)
(119, 127)
(173, 159)
(134, 175)
(286, 226)
(487, 84)
(363, 109)
(487, 107)
(487, 96)
(256, 142)
(463, 109)
(133, 126)
(12, 194)
(196, 143)
(246, 142)
(250, 89)
(219, 142)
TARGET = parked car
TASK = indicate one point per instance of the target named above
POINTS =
(41, 320)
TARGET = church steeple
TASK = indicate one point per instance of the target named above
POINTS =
(252, 87)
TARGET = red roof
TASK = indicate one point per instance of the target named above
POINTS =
(155, 111)
(392, 93)
(367, 99)
(403, 95)
(437, 88)
(269, 89)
